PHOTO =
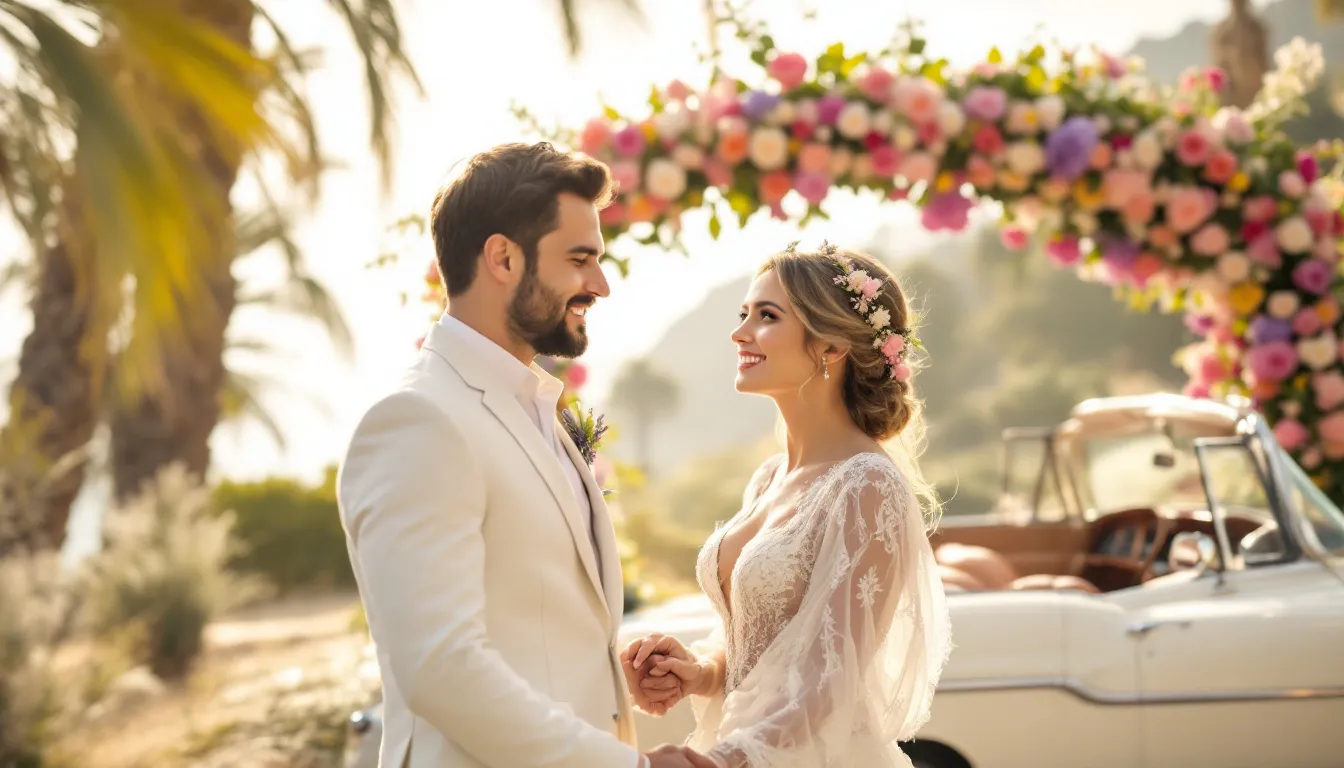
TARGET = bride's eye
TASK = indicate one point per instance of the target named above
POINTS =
(767, 315)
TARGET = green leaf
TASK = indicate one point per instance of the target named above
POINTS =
(917, 46)
(1036, 78)
(655, 99)
(611, 113)
(837, 50)
(715, 226)
(995, 55)
(1035, 55)
(934, 71)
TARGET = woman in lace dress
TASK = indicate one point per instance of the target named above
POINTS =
(834, 625)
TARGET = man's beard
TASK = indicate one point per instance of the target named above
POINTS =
(540, 317)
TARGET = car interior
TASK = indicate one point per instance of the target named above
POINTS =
(1125, 505)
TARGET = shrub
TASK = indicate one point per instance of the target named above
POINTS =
(32, 601)
(291, 533)
(163, 573)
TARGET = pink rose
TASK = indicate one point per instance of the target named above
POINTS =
(1331, 428)
(613, 214)
(1063, 251)
(1291, 434)
(677, 91)
(876, 84)
(718, 174)
(596, 136)
(871, 287)
(1193, 147)
(1216, 77)
(1195, 390)
(1189, 207)
(1123, 185)
(985, 103)
(919, 166)
(919, 100)
(1307, 166)
(1210, 240)
(892, 347)
(629, 141)
(1313, 276)
(1263, 250)
(900, 372)
(1260, 208)
(814, 158)
(1013, 238)
(1329, 389)
(789, 69)
(1221, 167)
(1140, 209)
(812, 186)
(1272, 362)
(627, 175)
(1306, 322)
(886, 160)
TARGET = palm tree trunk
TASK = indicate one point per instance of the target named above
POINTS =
(152, 432)
(54, 400)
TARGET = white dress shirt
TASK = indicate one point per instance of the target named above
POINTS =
(538, 392)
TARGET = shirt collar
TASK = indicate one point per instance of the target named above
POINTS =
(527, 381)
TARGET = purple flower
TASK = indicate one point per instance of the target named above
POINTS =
(1200, 325)
(828, 108)
(1120, 253)
(629, 141)
(1275, 361)
(985, 103)
(757, 104)
(1265, 330)
(1312, 276)
(1068, 151)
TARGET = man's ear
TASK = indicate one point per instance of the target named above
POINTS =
(502, 259)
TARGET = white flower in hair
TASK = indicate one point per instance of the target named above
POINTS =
(880, 318)
(857, 279)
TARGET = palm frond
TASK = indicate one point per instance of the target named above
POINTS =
(376, 30)
(569, 19)
(240, 399)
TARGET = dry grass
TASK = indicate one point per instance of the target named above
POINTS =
(272, 689)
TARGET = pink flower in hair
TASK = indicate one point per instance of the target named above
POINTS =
(900, 372)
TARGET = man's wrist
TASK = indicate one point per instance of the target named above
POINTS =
(644, 762)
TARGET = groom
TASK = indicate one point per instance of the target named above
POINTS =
(484, 553)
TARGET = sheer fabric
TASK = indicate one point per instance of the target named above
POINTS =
(837, 629)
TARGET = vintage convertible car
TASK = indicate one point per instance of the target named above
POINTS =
(1160, 585)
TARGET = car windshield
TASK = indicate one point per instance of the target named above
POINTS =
(1316, 509)
(1139, 469)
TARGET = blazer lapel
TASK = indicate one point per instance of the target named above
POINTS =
(505, 406)
(608, 550)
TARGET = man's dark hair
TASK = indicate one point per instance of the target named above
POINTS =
(511, 190)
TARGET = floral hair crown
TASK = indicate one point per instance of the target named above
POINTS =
(863, 289)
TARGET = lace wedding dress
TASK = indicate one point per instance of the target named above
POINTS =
(837, 629)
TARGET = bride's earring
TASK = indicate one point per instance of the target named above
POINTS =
(825, 372)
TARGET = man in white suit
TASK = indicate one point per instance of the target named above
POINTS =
(484, 553)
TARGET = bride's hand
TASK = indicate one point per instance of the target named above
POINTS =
(661, 671)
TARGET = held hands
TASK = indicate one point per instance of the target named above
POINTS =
(668, 756)
(660, 672)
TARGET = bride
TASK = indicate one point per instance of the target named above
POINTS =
(835, 628)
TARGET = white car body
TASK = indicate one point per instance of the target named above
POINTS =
(1234, 658)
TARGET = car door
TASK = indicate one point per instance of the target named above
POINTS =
(1242, 666)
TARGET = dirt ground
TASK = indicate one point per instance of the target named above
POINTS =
(256, 663)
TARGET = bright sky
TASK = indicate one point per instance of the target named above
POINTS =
(476, 58)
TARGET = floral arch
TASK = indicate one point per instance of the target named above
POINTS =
(1177, 203)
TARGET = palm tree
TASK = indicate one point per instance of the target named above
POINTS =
(151, 431)
(81, 164)
(648, 395)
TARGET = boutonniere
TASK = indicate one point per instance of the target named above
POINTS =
(585, 429)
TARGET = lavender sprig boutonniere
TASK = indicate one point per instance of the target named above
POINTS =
(584, 429)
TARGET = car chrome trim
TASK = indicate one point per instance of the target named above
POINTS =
(1119, 698)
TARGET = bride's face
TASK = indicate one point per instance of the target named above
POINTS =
(772, 350)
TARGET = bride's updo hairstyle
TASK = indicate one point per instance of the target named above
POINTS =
(882, 405)
(877, 388)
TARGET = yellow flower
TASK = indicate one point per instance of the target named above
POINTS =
(1239, 182)
(1240, 327)
(795, 146)
(944, 182)
(1300, 383)
(1245, 298)
(1088, 199)
(1013, 182)
(650, 132)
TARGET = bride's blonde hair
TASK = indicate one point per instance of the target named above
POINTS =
(886, 409)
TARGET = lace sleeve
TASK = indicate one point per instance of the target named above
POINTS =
(865, 650)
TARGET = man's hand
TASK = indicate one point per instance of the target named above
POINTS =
(653, 684)
(668, 756)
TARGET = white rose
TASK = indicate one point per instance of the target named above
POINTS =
(1319, 352)
(1050, 111)
(664, 179)
(823, 134)
(1326, 249)
(1282, 304)
(856, 280)
(1234, 266)
(671, 123)
(1085, 222)
(951, 119)
(1292, 184)
(883, 121)
(854, 121)
(1129, 123)
(688, 156)
(880, 318)
(807, 111)
(1233, 125)
(904, 138)
(1294, 235)
(1124, 160)
(1167, 128)
(1147, 149)
(768, 148)
(1103, 123)
(1258, 164)
(1025, 157)
(841, 160)
(784, 113)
